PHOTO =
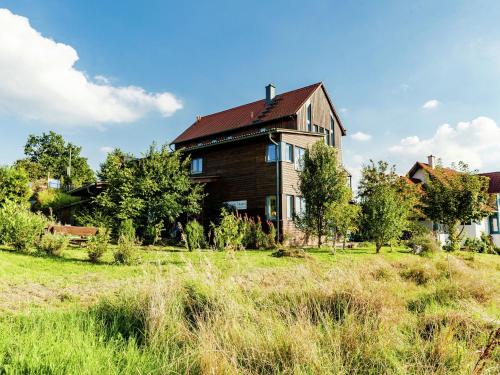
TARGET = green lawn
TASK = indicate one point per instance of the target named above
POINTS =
(248, 312)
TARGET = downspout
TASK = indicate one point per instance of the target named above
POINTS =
(278, 197)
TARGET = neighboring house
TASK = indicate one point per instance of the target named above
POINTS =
(490, 225)
(85, 194)
(249, 156)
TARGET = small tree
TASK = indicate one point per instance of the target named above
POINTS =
(14, 186)
(387, 203)
(322, 182)
(343, 219)
(454, 198)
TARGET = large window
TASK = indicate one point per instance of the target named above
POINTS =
(494, 225)
(197, 166)
(271, 210)
(289, 152)
(299, 156)
(300, 205)
(332, 128)
(309, 118)
(271, 153)
(290, 206)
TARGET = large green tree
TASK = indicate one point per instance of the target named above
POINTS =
(14, 185)
(49, 155)
(152, 191)
(387, 204)
(322, 182)
(454, 198)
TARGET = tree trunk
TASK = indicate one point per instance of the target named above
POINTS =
(343, 243)
(378, 246)
(319, 232)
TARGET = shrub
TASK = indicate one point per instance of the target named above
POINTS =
(153, 232)
(228, 234)
(97, 245)
(292, 253)
(480, 245)
(20, 227)
(125, 251)
(54, 244)
(424, 244)
(127, 230)
(53, 199)
(195, 237)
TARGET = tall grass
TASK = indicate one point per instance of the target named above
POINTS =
(373, 318)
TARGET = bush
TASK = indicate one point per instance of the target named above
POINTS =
(480, 245)
(52, 200)
(20, 227)
(153, 232)
(228, 234)
(424, 244)
(54, 244)
(97, 245)
(125, 251)
(127, 230)
(195, 237)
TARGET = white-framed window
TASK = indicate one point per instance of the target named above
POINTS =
(271, 153)
(299, 157)
(327, 137)
(309, 117)
(196, 166)
(290, 206)
(300, 205)
(288, 149)
(271, 210)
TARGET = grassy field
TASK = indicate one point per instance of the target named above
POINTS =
(248, 313)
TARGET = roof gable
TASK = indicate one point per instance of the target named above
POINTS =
(283, 105)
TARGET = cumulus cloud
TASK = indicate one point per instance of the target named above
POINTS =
(476, 142)
(38, 80)
(431, 104)
(360, 136)
(106, 149)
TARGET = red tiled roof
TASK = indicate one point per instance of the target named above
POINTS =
(494, 181)
(283, 105)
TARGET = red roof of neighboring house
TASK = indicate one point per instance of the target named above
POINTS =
(494, 181)
(283, 105)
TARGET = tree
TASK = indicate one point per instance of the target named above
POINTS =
(153, 190)
(322, 182)
(342, 219)
(49, 155)
(453, 198)
(14, 185)
(387, 204)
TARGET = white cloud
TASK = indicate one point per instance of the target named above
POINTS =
(431, 104)
(38, 80)
(360, 136)
(343, 110)
(476, 142)
(106, 149)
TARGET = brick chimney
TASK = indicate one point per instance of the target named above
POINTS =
(270, 93)
(431, 160)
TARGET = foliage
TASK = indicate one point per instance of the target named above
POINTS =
(195, 237)
(480, 245)
(14, 185)
(322, 182)
(54, 244)
(152, 191)
(424, 244)
(20, 227)
(90, 217)
(97, 245)
(127, 230)
(50, 200)
(343, 219)
(290, 253)
(254, 236)
(386, 204)
(49, 154)
(125, 252)
(228, 234)
(455, 197)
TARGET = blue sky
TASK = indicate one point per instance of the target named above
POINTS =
(409, 77)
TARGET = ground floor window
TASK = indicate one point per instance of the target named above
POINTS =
(196, 165)
(300, 205)
(271, 208)
(494, 225)
(290, 206)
